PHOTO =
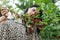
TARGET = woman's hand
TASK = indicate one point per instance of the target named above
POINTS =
(2, 18)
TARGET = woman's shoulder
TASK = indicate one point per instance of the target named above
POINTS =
(12, 23)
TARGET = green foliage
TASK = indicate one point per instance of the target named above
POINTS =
(24, 4)
(50, 18)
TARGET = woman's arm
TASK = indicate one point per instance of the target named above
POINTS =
(2, 18)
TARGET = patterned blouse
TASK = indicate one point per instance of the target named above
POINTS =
(10, 30)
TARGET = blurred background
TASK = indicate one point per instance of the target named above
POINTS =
(19, 5)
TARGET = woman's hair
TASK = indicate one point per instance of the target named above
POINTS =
(31, 7)
(40, 11)
(0, 13)
(34, 6)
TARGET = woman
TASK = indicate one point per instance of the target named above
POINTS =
(6, 14)
(10, 30)
(3, 12)
(34, 35)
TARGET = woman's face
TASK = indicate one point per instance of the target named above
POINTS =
(4, 11)
(32, 10)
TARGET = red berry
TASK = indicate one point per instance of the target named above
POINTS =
(32, 23)
(26, 18)
(58, 36)
(29, 30)
(18, 16)
(39, 26)
(32, 19)
(37, 20)
(23, 22)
